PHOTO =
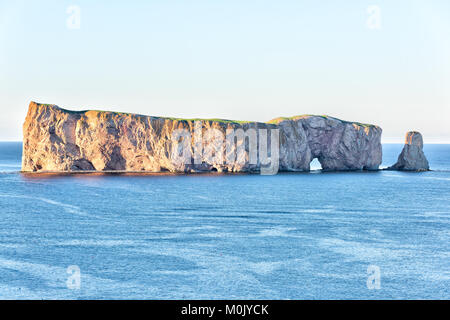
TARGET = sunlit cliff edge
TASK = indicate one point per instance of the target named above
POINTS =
(59, 140)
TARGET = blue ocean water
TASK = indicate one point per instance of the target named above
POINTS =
(289, 236)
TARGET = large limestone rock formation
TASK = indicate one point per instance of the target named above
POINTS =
(338, 145)
(59, 140)
(412, 157)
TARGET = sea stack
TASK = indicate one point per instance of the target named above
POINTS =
(60, 140)
(412, 157)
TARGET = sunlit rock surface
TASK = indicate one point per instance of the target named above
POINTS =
(59, 140)
(412, 157)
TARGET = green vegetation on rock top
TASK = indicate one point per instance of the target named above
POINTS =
(273, 121)
(210, 120)
(279, 119)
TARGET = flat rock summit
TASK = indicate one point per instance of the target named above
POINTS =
(59, 140)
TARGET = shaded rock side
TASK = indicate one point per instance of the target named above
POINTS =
(412, 157)
(338, 145)
(59, 140)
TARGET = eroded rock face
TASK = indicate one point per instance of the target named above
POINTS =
(412, 157)
(338, 145)
(58, 140)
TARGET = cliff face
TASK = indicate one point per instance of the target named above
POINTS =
(59, 140)
(338, 145)
(412, 157)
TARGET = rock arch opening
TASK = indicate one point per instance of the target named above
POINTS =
(315, 164)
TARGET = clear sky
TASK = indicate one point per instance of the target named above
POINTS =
(381, 62)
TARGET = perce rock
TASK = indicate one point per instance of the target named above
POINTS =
(412, 157)
(59, 140)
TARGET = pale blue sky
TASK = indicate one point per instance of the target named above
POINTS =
(244, 60)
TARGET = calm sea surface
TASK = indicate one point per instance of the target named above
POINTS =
(289, 236)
